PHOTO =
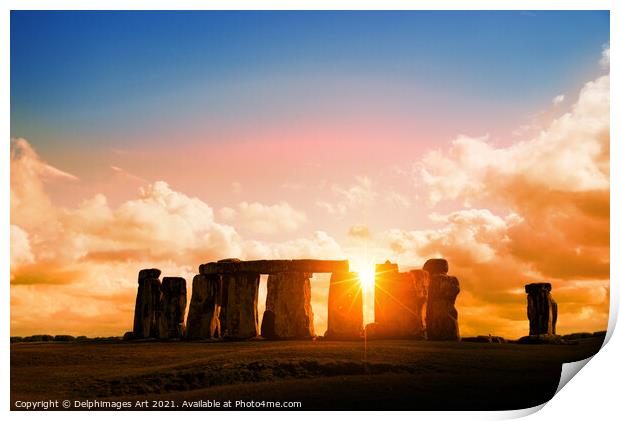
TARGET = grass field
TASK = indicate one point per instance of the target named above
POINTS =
(325, 375)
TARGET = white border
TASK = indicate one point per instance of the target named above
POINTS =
(591, 395)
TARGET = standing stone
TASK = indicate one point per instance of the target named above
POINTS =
(268, 326)
(400, 302)
(554, 314)
(441, 315)
(203, 319)
(542, 310)
(345, 316)
(420, 280)
(239, 314)
(173, 303)
(146, 315)
(391, 301)
(436, 266)
(288, 313)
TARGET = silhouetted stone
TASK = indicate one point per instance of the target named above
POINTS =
(436, 266)
(441, 315)
(203, 319)
(149, 273)
(399, 301)
(288, 298)
(344, 307)
(145, 322)
(390, 302)
(420, 281)
(542, 310)
(173, 303)
(128, 336)
(554, 314)
(239, 314)
(274, 266)
(268, 326)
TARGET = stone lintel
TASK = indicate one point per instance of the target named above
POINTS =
(275, 266)
(538, 286)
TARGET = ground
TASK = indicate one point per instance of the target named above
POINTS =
(326, 375)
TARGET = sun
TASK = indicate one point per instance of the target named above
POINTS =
(366, 273)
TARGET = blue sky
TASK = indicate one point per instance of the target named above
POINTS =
(98, 76)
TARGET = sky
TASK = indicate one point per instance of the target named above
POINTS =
(170, 139)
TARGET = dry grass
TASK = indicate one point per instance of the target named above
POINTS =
(322, 375)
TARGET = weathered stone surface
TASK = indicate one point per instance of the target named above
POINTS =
(400, 302)
(148, 273)
(554, 314)
(146, 315)
(268, 326)
(420, 281)
(203, 319)
(436, 266)
(288, 300)
(542, 310)
(239, 313)
(173, 303)
(392, 301)
(274, 266)
(345, 317)
(441, 315)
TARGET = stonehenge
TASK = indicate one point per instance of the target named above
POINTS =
(224, 302)
(274, 266)
(160, 306)
(542, 310)
(345, 313)
(415, 304)
(400, 302)
(203, 319)
(239, 313)
(171, 323)
(145, 322)
(288, 311)
(441, 314)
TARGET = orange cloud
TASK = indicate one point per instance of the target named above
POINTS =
(68, 264)
(554, 190)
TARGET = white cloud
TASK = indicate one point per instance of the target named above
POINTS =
(126, 175)
(557, 100)
(468, 236)
(359, 195)
(553, 188)
(572, 154)
(397, 199)
(78, 266)
(604, 61)
(20, 247)
(228, 213)
(266, 219)
(359, 231)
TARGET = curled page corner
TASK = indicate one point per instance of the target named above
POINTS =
(569, 370)
(518, 413)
